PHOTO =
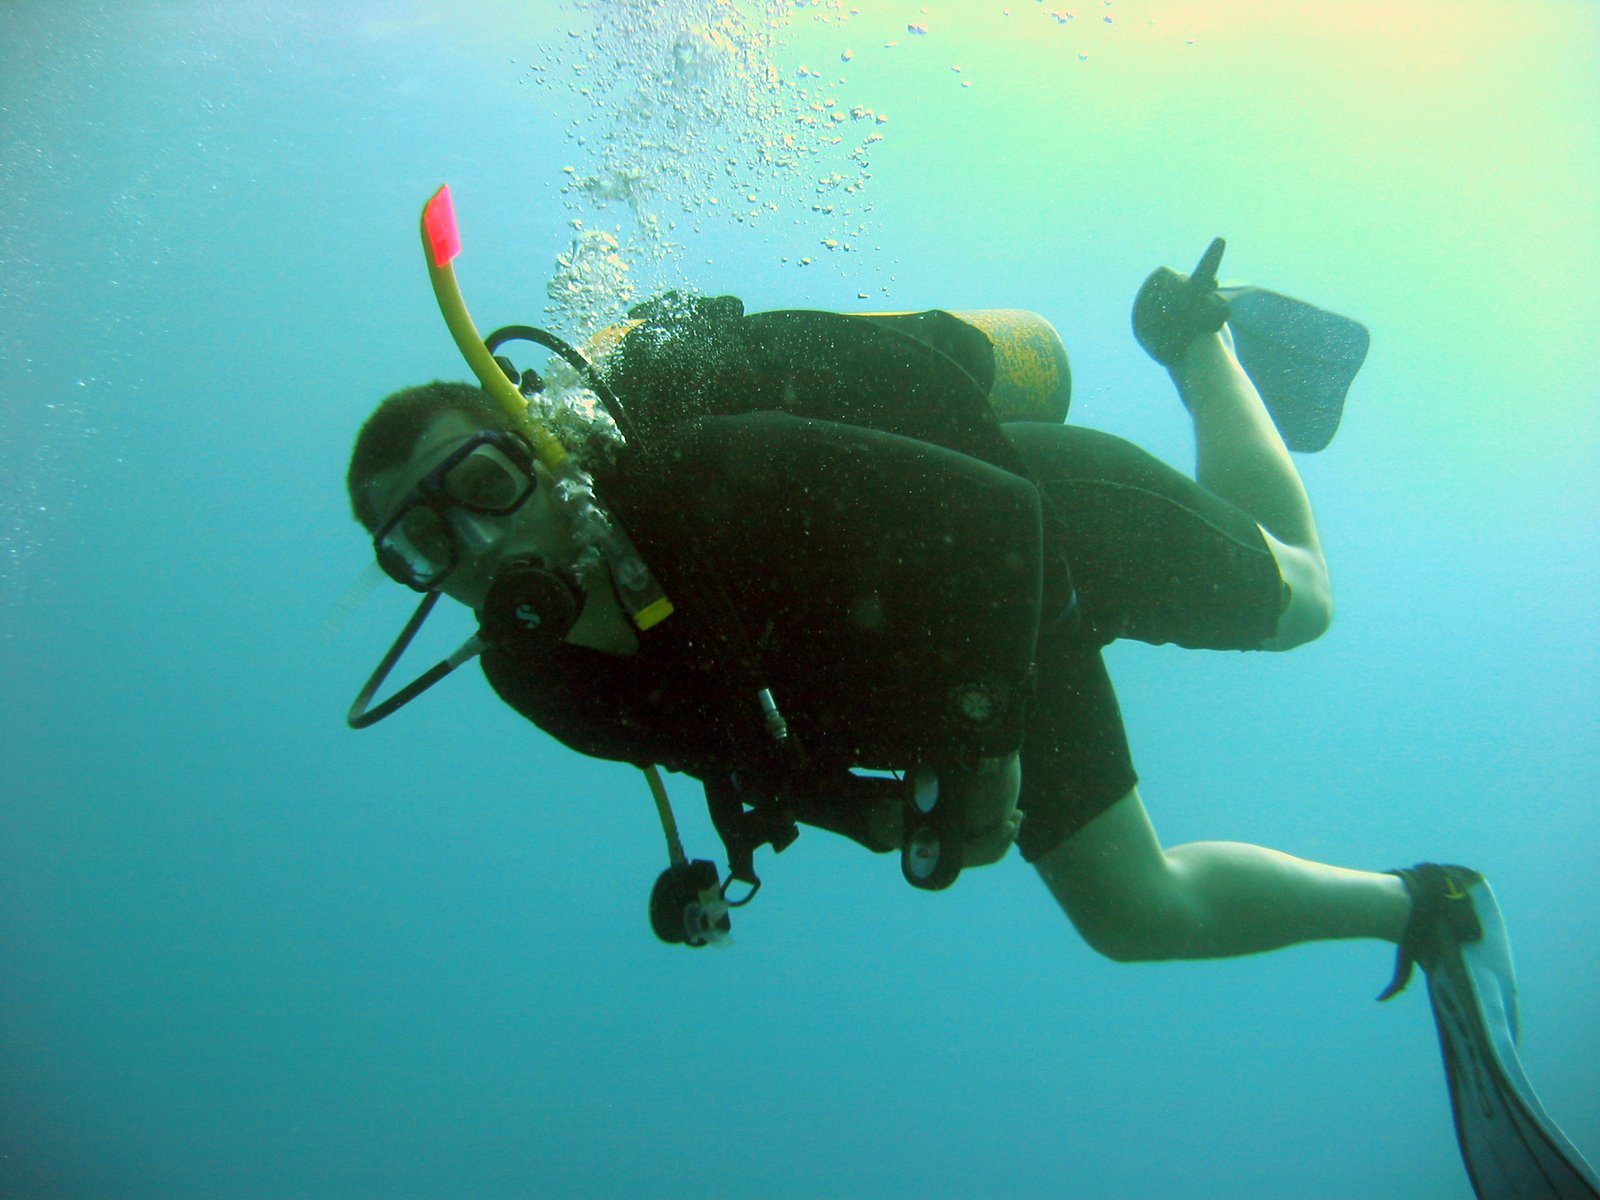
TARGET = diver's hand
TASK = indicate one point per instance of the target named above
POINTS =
(992, 816)
(1172, 310)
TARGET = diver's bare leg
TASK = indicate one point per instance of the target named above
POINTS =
(1135, 902)
(1240, 456)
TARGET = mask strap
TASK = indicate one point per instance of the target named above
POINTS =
(360, 716)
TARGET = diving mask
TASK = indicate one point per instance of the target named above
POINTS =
(490, 474)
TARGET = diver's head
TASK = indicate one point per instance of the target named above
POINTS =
(451, 492)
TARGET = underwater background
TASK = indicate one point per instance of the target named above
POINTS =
(245, 952)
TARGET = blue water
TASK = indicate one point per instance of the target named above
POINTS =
(247, 953)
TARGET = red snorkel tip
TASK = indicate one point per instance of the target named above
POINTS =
(439, 225)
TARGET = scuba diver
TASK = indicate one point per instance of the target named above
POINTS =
(856, 572)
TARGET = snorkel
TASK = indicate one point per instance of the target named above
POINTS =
(441, 243)
(521, 601)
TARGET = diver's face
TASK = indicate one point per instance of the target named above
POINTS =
(480, 542)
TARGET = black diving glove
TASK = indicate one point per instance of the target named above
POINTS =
(1171, 310)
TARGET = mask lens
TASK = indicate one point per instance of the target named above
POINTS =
(418, 549)
(487, 481)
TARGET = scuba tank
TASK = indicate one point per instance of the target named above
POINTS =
(718, 360)
(1030, 378)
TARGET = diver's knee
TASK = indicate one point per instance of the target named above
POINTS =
(1307, 607)
(1154, 934)
(1152, 923)
(1120, 890)
(1305, 617)
(1122, 943)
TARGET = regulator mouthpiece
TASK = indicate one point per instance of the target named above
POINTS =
(687, 907)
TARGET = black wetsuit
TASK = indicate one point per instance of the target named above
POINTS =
(878, 579)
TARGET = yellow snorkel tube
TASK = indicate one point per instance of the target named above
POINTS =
(641, 595)
(441, 240)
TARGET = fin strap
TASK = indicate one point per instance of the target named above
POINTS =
(1441, 915)
(1404, 963)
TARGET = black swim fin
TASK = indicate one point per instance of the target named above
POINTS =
(1301, 358)
(1511, 1147)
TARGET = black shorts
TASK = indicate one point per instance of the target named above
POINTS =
(1154, 557)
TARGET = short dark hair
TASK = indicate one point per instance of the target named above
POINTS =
(391, 432)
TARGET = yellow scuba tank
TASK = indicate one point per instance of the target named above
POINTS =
(1015, 354)
(1032, 378)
